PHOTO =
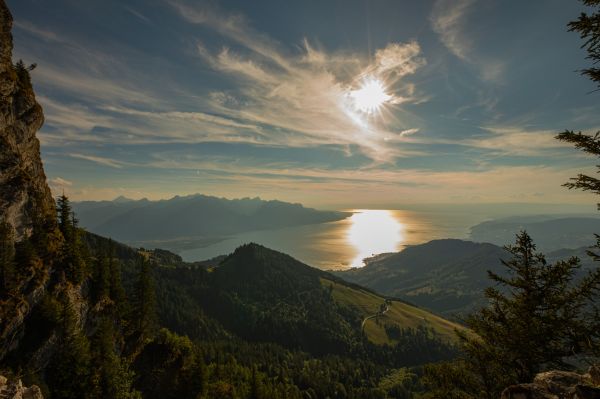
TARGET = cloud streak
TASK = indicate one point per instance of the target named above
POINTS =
(99, 160)
(448, 20)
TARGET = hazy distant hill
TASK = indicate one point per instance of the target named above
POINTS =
(549, 233)
(192, 216)
(447, 276)
(443, 275)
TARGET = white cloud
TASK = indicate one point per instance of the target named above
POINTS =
(113, 163)
(512, 140)
(448, 20)
(399, 59)
(58, 185)
(294, 97)
(303, 99)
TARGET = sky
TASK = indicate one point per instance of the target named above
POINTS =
(334, 104)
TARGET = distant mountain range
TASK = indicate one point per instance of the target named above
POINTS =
(447, 276)
(549, 232)
(196, 216)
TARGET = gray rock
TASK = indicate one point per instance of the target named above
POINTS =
(559, 382)
(25, 198)
(24, 195)
(15, 390)
(556, 385)
(527, 391)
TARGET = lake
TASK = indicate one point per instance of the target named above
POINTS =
(345, 243)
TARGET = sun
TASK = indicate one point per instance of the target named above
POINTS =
(370, 96)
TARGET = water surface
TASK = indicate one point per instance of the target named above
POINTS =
(345, 243)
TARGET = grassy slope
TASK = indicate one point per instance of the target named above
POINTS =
(401, 314)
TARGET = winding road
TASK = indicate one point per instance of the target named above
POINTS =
(380, 313)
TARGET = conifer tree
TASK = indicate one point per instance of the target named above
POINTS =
(588, 27)
(256, 386)
(535, 319)
(111, 377)
(101, 277)
(71, 256)
(63, 207)
(144, 306)
(199, 377)
(69, 370)
(116, 292)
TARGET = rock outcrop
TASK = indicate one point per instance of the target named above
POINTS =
(25, 198)
(15, 390)
(558, 385)
(26, 202)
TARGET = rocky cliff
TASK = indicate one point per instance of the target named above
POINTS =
(558, 385)
(25, 198)
(26, 202)
(15, 390)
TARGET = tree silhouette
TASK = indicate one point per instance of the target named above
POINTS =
(588, 27)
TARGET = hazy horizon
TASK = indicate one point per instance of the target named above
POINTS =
(498, 209)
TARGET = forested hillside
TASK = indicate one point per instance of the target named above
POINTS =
(446, 276)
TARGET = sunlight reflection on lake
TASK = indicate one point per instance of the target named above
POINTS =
(373, 232)
(345, 243)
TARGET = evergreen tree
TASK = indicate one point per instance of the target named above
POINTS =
(69, 370)
(535, 318)
(71, 254)
(64, 210)
(116, 292)
(199, 377)
(111, 378)
(256, 386)
(7, 257)
(588, 27)
(101, 277)
(144, 306)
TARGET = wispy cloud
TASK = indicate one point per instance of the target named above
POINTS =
(58, 185)
(378, 187)
(504, 140)
(448, 20)
(512, 140)
(296, 97)
(99, 160)
(138, 14)
(41, 33)
(303, 98)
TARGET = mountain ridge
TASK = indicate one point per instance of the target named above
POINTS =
(447, 276)
(193, 216)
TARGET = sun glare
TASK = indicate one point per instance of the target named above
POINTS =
(373, 232)
(370, 96)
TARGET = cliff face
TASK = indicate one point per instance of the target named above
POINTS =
(25, 198)
(558, 385)
(15, 390)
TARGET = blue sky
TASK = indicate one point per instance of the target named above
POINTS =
(155, 98)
